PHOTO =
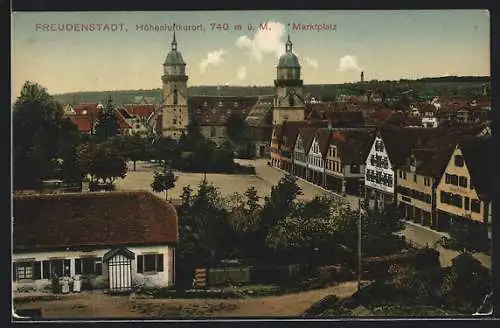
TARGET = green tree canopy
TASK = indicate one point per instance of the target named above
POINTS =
(107, 124)
(40, 134)
(164, 180)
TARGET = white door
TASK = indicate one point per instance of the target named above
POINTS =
(120, 273)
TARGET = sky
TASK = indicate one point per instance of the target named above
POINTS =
(385, 45)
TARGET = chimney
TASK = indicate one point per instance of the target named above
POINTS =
(362, 77)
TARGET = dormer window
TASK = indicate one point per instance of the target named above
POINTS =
(84, 112)
(214, 111)
(236, 104)
(220, 103)
(205, 104)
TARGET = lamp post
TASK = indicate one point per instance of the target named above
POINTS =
(360, 214)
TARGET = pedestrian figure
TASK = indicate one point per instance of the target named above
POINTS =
(55, 284)
(77, 284)
(65, 285)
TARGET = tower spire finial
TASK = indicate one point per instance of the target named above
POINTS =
(288, 45)
(174, 41)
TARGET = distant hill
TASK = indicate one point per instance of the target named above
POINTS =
(459, 87)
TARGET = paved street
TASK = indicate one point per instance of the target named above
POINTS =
(264, 179)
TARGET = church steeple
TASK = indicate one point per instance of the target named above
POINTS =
(174, 42)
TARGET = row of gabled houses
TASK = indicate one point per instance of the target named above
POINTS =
(436, 176)
(132, 118)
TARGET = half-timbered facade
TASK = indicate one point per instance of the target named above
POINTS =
(379, 175)
(299, 157)
(389, 151)
(307, 135)
(315, 162)
(275, 148)
(105, 238)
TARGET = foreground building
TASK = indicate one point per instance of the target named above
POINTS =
(388, 152)
(113, 240)
(464, 190)
(418, 177)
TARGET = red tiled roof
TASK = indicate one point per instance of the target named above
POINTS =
(92, 219)
(122, 122)
(323, 137)
(89, 107)
(478, 156)
(353, 144)
(214, 110)
(82, 122)
(400, 141)
(139, 110)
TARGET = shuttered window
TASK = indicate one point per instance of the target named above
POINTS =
(150, 263)
(29, 270)
(88, 266)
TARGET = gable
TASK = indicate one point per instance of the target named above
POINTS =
(314, 149)
(299, 144)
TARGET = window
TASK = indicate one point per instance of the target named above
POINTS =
(459, 160)
(354, 168)
(454, 179)
(212, 132)
(462, 182)
(445, 197)
(467, 203)
(88, 265)
(60, 267)
(150, 263)
(475, 206)
(404, 175)
(447, 178)
(175, 100)
(29, 270)
(174, 121)
(414, 178)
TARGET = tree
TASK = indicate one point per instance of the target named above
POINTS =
(164, 180)
(312, 228)
(107, 123)
(281, 202)
(135, 148)
(244, 219)
(166, 150)
(40, 134)
(236, 128)
(467, 237)
(466, 283)
(102, 162)
(193, 139)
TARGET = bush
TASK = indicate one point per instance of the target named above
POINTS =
(466, 284)
(334, 273)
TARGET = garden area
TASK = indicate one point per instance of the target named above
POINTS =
(458, 290)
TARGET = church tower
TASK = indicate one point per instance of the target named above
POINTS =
(175, 116)
(288, 104)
